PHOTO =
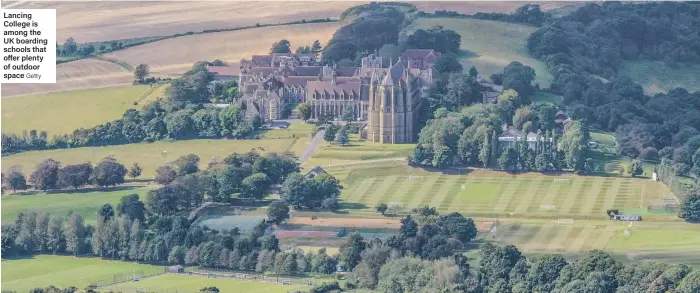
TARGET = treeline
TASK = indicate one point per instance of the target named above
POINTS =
(49, 174)
(181, 115)
(526, 14)
(589, 43)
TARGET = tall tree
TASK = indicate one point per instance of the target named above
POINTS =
(351, 250)
(75, 175)
(14, 179)
(135, 171)
(74, 232)
(255, 186)
(141, 72)
(278, 212)
(690, 209)
(304, 111)
(46, 175)
(132, 207)
(281, 46)
(109, 172)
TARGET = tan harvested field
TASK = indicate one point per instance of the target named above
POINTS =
(178, 54)
(347, 222)
(173, 56)
(91, 21)
(76, 75)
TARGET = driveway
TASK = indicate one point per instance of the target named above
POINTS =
(318, 138)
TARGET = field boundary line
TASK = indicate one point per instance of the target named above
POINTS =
(444, 191)
(611, 195)
(423, 191)
(591, 196)
(507, 195)
(573, 195)
(530, 195)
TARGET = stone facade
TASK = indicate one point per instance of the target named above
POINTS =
(389, 99)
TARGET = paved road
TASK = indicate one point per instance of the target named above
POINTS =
(312, 146)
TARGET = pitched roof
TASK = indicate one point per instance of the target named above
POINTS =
(343, 85)
(418, 53)
(262, 60)
(308, 70)
(316, 171)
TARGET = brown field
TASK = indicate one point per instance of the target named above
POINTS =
(91, 21)
(173, 56)
(347, 222)
(76, 75)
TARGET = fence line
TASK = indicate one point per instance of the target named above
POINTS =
(126, 277)
(229, 274)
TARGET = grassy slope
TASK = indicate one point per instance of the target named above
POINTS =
(149, 155)
(185, 283)
(21, 275)
(357, 150)
(491, 45)
(655, 76)
(63, 112)
(60, 204)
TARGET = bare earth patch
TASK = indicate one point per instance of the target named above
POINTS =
(347, 222)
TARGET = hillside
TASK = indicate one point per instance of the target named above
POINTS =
(490, 45)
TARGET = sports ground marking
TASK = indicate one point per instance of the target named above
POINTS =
(444, 191)
(581, 239)
(591, 195)
(573, 196)
(562, 234)
(529, 196)
(539, 239)
(361, 190)
(604, 237)
(611, 195)
(422, 192)
(507, 195)
(552, 192)
(382, 191)
(399, 194)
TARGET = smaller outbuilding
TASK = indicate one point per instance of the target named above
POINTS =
(176, 269)
(627, 217)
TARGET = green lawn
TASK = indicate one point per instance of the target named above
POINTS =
(491, 45)
(21, 275)
(150, 155)
(497, 194)
(63, 112)
(655, 76)
(357, 150)
(185, 283)
(60, 204)
(547, 97)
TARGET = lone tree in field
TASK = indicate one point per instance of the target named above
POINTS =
(331, 130)
(342, 136)
(109, 172)
(45, 176)
(141, 72)
(15, 179)
(278, 212)
(304, 111)
(74, 175)
(382, 207)
(134, 171)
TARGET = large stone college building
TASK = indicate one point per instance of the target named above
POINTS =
(387, 98)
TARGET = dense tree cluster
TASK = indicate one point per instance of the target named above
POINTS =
(590, 42)
(181, 116)
(526, 14)
(242, 176)
(303, 192)
(437, 38)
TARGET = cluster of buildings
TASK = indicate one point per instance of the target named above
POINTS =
(388, 98)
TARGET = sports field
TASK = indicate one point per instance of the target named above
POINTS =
(185, 283)
(22, 275)
(63, 112)
(490, 193)
(490, 45)
(151, 155)
(60, 204)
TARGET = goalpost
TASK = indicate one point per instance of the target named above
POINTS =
(414, 177)
(548, 207)
(565, 221)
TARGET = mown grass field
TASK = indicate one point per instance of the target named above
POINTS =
(499, 194)
(63, 112)
(150, 155)
(656, 77)
(184, 283)
(356, 150)
(22, 275)
(491, 45)
(61, 204)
